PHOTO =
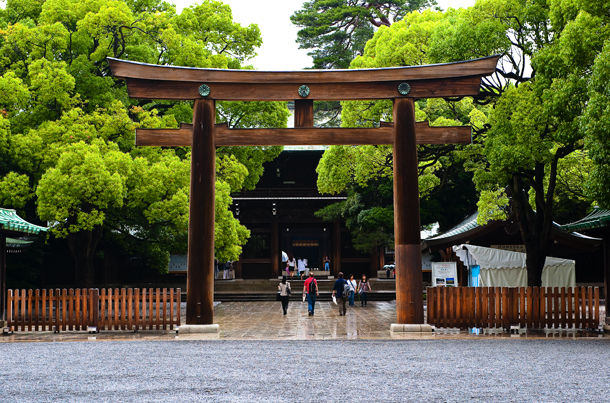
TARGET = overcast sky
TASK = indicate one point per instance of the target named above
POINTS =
(280, 50)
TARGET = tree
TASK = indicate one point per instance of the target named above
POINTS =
(595, 124)
(87, 180)
(535, 126)
(365, 173)
(522, 154)
(66, 124)
(337, 30)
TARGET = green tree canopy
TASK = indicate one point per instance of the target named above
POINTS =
(536, 132)
(595, 124)
(545, 102)
(359, 171)
(67, 126)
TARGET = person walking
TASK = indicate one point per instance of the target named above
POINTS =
(352, 289)
(340, 292)
(291, 265)
(364, 287)
(310, 288)
(285, 291)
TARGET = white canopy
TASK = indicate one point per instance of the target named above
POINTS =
(502, 268)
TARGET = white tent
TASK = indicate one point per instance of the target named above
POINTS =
(502, 268)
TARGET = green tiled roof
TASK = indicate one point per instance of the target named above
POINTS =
(17, 243)
(10, 221)
(599, 218)
(468, 224)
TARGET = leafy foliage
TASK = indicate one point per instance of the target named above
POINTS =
(67, 126)
(547, 99)
(596, 125)
(337, 30)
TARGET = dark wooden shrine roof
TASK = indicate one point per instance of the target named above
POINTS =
(151, 81)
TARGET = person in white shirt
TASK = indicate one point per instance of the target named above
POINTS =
(291, 265)
(352, 289)
(284, 291)
(301, 267)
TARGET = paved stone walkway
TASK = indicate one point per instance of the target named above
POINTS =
(240, 320)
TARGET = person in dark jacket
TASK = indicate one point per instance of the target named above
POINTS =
(339, 293)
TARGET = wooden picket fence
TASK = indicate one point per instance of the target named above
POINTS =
(86, 309)
(503, 307)
(129, 308)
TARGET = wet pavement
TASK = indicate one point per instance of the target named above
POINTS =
(300, 370)
(265, 321)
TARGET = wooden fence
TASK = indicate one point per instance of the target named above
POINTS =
(132, 308)
(83, 309)
(531, 307)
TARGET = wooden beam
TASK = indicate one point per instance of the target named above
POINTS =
(302, 136)
(407, 248)
(129, 69)
(303, 113)
(258, 91)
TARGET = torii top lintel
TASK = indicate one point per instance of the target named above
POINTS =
(457, 79)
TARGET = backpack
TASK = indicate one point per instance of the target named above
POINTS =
(346, 289)
(312, 286)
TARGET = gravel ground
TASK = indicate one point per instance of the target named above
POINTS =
(437, 370)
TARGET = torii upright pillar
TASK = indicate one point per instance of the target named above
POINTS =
(200, 273)
(407, 248)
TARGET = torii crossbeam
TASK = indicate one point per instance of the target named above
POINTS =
(205, 86)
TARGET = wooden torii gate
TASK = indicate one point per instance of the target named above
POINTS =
(205, 86)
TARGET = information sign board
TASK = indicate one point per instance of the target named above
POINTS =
(444, 274)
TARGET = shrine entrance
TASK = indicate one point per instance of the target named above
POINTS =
(401, 84)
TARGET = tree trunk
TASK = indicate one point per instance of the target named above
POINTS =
(535, 228)
(534, 260)
(83, 246)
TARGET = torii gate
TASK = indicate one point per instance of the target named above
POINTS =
(205, 86)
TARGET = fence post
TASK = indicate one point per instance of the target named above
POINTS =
(130, 309)
(30, 317)
(136, 309)
(179, 303)
(583, 303)
(9, 310)
(596, 321)
(592, 320)
(458, 306)
(95, 309)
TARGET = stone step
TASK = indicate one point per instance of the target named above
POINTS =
(324, 296)
(270, 285)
